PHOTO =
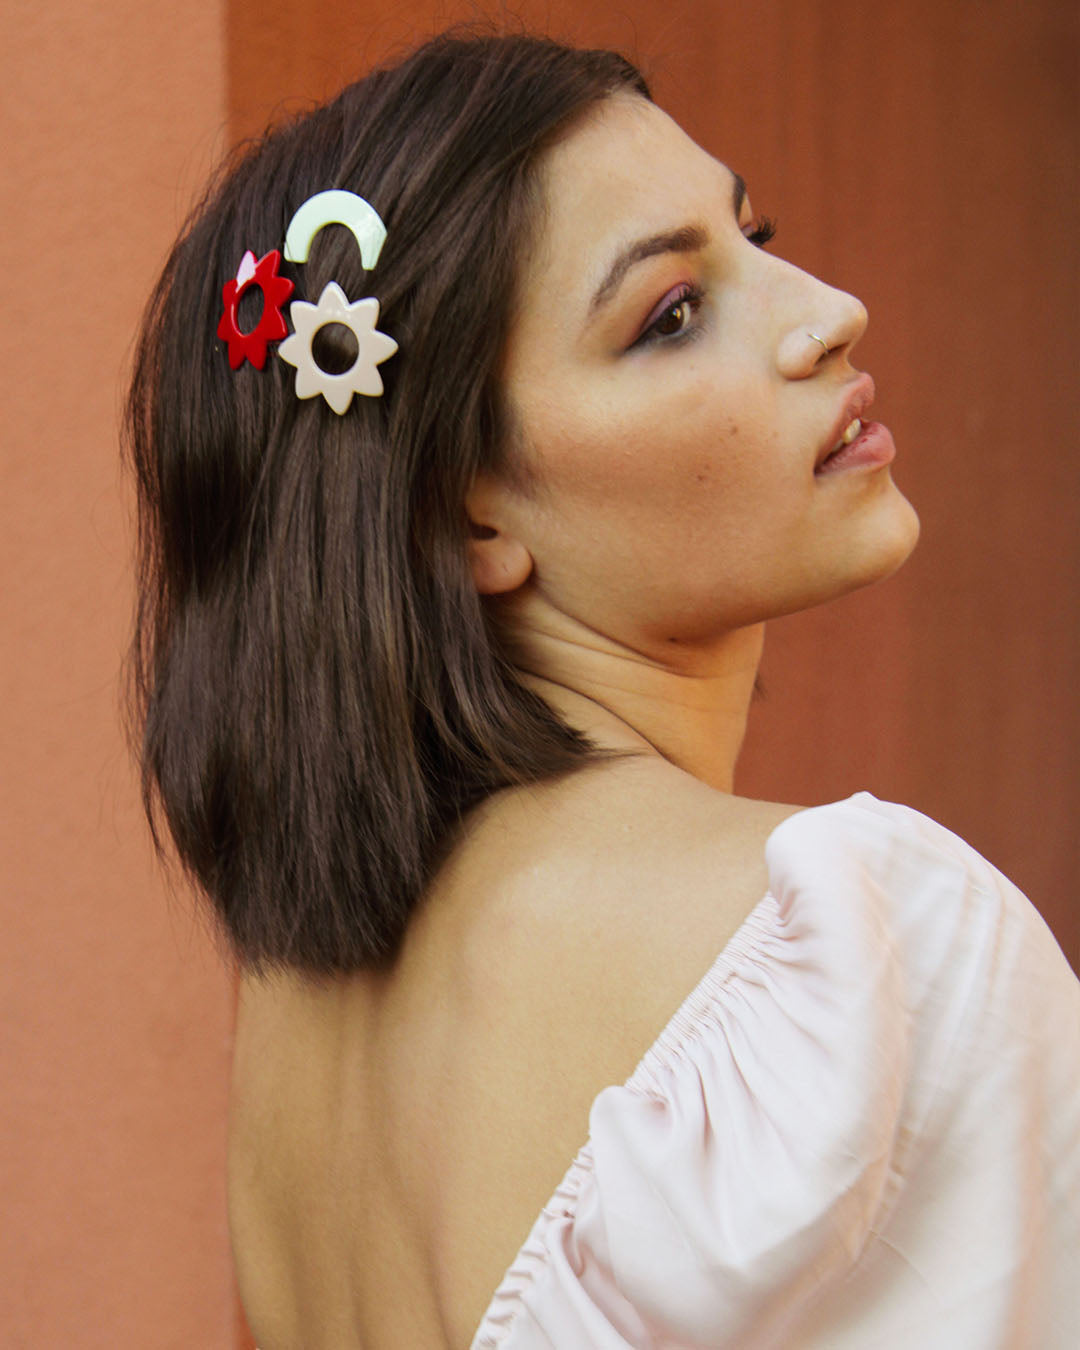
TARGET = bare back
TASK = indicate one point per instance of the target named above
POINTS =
(393, 1139)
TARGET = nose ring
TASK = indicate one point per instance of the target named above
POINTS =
(822, 341)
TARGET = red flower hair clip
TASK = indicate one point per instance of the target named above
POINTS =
(271, 326)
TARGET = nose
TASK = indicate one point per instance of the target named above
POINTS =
(812, 308)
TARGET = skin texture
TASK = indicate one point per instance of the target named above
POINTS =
(674, 507)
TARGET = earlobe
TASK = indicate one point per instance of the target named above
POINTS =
(498, 563)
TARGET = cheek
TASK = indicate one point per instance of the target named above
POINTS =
(644, 447)
(678, 472)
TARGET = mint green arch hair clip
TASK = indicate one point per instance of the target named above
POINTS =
(336, 207)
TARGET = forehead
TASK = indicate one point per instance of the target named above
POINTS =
(627, 169)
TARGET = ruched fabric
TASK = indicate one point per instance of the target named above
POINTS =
(860, 1131)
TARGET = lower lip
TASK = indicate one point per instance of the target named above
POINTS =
(873, 448)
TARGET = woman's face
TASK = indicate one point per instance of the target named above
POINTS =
(673, 410)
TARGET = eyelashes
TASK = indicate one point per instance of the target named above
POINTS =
(672, 324)
(764, 230)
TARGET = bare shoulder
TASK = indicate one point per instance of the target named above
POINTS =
(631, 875)
(563, 933)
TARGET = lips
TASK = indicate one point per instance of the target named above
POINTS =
(858, 401)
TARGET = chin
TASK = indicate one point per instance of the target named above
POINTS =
(887, 543)
(899, 542)
(882, 545)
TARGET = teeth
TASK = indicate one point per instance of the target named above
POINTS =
(850, 432)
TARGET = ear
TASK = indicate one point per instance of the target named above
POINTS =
(498, 560)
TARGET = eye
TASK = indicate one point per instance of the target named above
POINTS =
(674, 320)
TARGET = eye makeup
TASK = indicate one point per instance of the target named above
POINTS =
(686, 300)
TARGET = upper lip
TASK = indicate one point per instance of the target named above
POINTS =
(857, 400)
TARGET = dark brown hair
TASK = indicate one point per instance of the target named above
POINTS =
(316, 696)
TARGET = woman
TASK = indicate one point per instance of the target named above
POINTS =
(477, 437)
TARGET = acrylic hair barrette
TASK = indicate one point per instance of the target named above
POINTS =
(333, 207)
(271, 326)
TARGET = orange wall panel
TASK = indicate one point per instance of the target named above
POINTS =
(922, 156)
(114, 1015)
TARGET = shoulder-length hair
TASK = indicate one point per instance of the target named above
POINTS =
(315, 694)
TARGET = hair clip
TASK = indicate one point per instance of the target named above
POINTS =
(271, 326)
(335, 206)
(360, 318)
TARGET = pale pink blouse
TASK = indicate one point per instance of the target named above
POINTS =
(861, 1130)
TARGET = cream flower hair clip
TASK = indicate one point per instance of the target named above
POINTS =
(373, 347)
(333, 207)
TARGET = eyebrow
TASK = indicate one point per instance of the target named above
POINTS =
(687, 239)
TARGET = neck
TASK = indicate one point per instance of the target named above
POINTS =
(689, 707)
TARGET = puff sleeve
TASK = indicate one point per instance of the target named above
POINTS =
(861, 1129)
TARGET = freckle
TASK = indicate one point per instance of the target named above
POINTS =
(734, 429)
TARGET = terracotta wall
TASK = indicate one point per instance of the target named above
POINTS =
(920, 155)
(114, 1018)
